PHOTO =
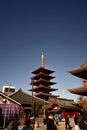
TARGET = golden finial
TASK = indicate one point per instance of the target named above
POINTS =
(42, 60)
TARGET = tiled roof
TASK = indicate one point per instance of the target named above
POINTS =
(63, 103)
(25, 98)
(9, 98)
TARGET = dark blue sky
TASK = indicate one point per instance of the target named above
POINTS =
(56, 27)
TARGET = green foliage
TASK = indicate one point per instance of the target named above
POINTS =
(82, 101)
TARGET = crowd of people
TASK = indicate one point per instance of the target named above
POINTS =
(48, 123)
(80, 121)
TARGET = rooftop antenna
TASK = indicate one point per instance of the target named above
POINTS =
(42, 60)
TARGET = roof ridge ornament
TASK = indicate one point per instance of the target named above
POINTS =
(42, 60)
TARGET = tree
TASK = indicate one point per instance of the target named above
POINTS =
(82, 101)
(34, 112)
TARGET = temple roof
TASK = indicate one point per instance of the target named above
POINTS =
(42, 87)
(63, 103)
(9, 98)
(42, 75)
(80, 71)
(42, 69)
(25, 98)
(80, 91)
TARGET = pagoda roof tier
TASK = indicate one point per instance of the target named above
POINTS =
(42, 69)
(80, 71)
(43, 88)
(45, 94)
(80, 91)
(42, 75)
(43, 82)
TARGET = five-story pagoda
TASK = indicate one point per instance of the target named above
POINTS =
(41, 84)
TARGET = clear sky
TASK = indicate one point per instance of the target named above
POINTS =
(29, 27)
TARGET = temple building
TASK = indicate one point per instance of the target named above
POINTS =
(80, 72)
(41, 82)
(62, 106)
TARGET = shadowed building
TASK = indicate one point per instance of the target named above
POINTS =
(26, 99)
(26, 102)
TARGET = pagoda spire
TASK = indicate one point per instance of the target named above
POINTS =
(42, 60)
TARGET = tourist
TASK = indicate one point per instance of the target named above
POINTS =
(77, 119)
(67, 122)
(44, 126)
(27, 125)
(50, 122)
(83, 122)
(9, 127)
(15, 122)
(13, 125)
(1, 118)
(26, 118)
(76, 127)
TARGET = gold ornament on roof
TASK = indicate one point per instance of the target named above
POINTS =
(42, 60)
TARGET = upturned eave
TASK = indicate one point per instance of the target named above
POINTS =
(80, 71)
(42, 69)
(79, 91)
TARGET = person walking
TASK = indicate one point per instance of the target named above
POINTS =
(15, 123)
(83, 122)
(27, 124)
(44, 126)
(50, 122)
(77, 119)
(1, 118)
(77, 127)
(67, 123)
